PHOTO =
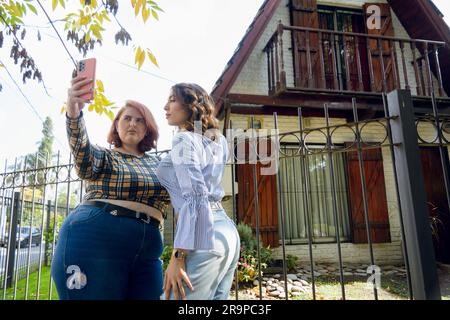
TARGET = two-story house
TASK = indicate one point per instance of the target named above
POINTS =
(305, 53)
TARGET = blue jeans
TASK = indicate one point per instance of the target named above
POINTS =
(105, 257)
(211, 272)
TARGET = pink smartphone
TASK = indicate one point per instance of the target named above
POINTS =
(86, 68)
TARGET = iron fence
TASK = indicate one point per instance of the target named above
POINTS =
(311, 199)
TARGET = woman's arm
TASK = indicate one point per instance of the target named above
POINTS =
(89, 160)
(195, 220)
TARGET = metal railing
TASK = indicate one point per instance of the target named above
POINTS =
(334, 61)
(419, 259)
(36, 196)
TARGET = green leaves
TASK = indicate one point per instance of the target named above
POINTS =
(32, 8)
(12, 12)
(85, 27)
(55, 3)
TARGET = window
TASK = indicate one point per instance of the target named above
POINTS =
(343, 20)
(321, 213)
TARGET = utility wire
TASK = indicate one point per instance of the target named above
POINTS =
(54, 28)
(140, 70)
(29, 102)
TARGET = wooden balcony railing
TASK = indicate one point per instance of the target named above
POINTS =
(333, 61)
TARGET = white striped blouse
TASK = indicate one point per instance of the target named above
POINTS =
(192, 174)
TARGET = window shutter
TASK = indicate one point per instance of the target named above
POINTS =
(267, 200)
(375, 193)
(306, 47)
(386, 29)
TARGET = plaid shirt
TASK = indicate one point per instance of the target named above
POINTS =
(114, 175)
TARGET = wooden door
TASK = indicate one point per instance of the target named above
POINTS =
(437, 202)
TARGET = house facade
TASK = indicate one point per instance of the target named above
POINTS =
(307, 53)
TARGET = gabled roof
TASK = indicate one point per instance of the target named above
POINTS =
(422, 13)
(438, 30)
(243, 51)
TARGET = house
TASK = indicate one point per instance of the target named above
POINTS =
(307, 53)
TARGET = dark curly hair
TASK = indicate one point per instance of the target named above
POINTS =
(199, 106)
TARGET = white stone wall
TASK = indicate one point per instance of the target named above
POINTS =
(253, 78)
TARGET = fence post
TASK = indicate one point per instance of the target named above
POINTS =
(12, 239)
(418, 238)
(47, 232)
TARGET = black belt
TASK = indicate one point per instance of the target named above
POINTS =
(120, 211)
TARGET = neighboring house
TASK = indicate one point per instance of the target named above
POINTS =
(277, 72)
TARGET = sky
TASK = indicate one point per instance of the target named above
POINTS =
(193, 41)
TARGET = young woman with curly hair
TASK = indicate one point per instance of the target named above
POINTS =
(206, 246)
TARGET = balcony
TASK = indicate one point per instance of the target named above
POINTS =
(312, 61)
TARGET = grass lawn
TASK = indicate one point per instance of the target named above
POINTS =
(32, 287)
(329, 288)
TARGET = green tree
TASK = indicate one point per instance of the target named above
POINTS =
(44, 154)
(85, 27)
(30, 162)
(62, 200)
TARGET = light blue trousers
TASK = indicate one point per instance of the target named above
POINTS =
(212, 272)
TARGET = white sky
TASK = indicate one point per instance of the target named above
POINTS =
(193, 41)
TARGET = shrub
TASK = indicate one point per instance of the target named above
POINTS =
(165, 257)
(248, 262)
(249, 244)
(291, 262)
(248, 268)
(248, 240)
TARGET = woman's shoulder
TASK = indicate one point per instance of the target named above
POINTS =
(182, 136)
(152, 157)
(190, 136)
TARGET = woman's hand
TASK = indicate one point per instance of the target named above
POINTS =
(74, 101)
(174, 277)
